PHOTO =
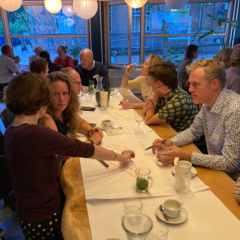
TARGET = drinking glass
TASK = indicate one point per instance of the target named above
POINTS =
(139, 119)
(124, 67)
(159, 231)
(143, 179)
(137, 226)
(104, 104)
(137, 67)
(133, 205)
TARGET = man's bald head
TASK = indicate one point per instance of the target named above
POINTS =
(37, 50)
(86, 58)
(75, 77)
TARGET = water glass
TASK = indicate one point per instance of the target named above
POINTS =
(139, 119)
(159, 231)
(133, 205)
(137, 226)
(88, 97)
(160, 149)
(182, 181)
(104, 103)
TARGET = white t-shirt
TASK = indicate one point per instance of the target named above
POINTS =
(7, 68)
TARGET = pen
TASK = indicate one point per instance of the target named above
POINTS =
(153, 101)
(121, 103)
(163, 141)
(104, 163)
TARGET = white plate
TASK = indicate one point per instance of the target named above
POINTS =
(103, 128)
(183, 216)
(193, 171)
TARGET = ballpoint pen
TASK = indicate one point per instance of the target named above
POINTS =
(121, 103)
(104, 163)
(163, 141)
(153, 101)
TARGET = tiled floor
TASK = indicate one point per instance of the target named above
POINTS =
(11, 226)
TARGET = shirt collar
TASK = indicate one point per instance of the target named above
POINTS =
(221, 101)
(93, 65)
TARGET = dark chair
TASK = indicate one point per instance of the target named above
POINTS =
(7, 117)
(5, 187)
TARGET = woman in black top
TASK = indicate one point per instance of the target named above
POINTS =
(51, 66)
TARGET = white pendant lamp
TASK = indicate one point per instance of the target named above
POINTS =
(135, 3)
(68, 10)
(53, 6)
(11, 5)
(176, 4)
(85, 8)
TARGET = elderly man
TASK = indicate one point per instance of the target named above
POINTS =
(233, 73)
(219, 120)
(172, 104)
(7, 66)
(89, 68)
(37, 51)
(75, 78)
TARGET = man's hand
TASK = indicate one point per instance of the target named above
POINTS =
(169, 156)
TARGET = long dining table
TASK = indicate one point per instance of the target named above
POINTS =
(78, 212)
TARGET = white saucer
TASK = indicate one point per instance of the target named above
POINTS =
(193, 171)
(183, 216)
(104, 128)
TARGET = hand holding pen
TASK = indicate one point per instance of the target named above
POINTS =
(122, 101)
(157, 141)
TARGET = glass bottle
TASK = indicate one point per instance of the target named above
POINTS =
(90, 88)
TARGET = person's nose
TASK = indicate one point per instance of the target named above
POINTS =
(191, 89)
(60, 98)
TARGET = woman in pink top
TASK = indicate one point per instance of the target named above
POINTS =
(63, 60)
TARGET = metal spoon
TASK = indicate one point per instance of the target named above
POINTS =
(165, 216)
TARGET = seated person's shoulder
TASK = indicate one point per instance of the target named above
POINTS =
(49, 122)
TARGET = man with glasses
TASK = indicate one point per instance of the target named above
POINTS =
(75, 77)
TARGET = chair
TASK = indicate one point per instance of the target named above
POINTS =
(7, 117)
(5, 189)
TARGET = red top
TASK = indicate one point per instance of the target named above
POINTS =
(68, 62)
(31, 155)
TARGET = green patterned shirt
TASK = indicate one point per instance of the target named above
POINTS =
(179, 111)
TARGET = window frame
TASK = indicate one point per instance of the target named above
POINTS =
(8, 36)
(229, 33)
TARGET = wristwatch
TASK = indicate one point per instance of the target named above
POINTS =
(91, 141)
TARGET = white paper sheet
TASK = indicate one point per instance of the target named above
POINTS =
(208, 218)
(118, 181)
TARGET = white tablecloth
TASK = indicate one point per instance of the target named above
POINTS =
(106, 189)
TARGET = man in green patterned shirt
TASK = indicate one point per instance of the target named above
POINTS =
(172, 104)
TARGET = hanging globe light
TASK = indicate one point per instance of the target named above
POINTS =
(135, 3)
(53, 6)
(68, 10)
(176, 4)
(85, 8)
(11, 5)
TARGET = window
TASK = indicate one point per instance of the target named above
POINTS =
(167, 32)
(33, 25)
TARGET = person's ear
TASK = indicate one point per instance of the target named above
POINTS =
(215, 84)
(159, 83)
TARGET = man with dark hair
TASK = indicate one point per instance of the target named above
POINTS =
(89, 68)
(172, 104)
(7, 66)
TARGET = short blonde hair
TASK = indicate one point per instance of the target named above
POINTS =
(223, 54)
(212, 69)
(154, 58)
(235, 58)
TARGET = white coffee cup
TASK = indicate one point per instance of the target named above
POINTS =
(106, 123)
(185, 165)
(172, 208)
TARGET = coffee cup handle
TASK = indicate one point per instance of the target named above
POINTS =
(150, 180)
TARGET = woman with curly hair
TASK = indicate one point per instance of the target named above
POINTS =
(63, 111)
